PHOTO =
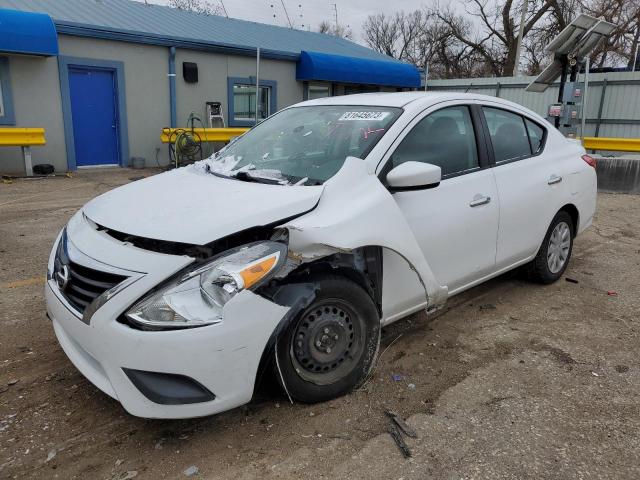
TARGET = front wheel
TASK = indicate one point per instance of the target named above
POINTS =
(330, 348)
(554, 254)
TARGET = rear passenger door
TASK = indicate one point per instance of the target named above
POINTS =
(455, 222)
(528, 180)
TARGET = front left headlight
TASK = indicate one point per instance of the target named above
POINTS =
(196, 298)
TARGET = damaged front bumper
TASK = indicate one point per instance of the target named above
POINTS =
(161, 374)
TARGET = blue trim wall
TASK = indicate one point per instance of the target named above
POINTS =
(9, 117)
(273, 102)
(64, 62)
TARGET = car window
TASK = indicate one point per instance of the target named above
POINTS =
(444, 138)
(508, 134)
(536, 135)
(305, 144)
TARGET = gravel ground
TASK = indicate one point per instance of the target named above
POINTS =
(511, 380)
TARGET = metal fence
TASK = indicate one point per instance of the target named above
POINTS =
(612, 104)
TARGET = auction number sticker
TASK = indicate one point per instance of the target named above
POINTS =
(363, 116)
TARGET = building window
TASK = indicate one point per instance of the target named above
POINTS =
(242, 101)
(6, 105)
(319, 91)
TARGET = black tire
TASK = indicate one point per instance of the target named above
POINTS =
(315, 373)
(539, 270)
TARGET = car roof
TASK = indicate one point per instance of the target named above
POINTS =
(401, 99)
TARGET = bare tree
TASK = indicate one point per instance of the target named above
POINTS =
(398, 35)
(619, 47)
(455, 46)
(422, 38)
(337, 30)
(204, 7)
(496, 41)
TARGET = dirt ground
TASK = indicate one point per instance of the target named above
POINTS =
(512, 380)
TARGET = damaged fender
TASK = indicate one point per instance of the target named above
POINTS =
(354, 211)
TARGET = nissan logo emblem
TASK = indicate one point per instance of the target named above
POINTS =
(62, 277)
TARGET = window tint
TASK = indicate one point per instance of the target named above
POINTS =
(536, 135)
(508, 134)
(444, 138)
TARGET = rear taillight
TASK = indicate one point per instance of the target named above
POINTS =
(590, 160)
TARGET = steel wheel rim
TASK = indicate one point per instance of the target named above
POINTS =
(317, 355)
(559, 247)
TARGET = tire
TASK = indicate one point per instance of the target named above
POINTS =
(555, 252)
(331, 346)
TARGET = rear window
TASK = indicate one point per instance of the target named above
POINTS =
(508, 134)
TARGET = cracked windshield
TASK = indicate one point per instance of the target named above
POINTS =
(303, 145)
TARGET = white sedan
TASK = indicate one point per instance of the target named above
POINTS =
(289, 249)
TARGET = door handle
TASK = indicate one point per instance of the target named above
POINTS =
(479, 200)
(553, 179)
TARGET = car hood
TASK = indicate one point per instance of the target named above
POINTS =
(189, 205)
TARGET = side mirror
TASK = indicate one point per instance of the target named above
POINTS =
(411, 175)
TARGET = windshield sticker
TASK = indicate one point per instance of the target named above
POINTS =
(363, 116)
(369, 132)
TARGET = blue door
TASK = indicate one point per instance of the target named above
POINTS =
(94, 115)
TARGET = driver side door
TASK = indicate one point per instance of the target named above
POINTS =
(456, 221)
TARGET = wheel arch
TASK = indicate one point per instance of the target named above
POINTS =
(362, 265)
(574, 213)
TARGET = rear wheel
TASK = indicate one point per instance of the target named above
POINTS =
(329, 349)
(554, 253)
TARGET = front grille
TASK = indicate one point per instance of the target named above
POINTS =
(86, 284)
(78, 284)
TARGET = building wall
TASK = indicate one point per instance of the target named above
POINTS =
(37, 97)
(146, 89)
(213, 71)
(36, 100)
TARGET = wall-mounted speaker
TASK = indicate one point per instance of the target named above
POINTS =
(190, 72)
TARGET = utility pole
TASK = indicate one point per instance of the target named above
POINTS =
(523, 17)
(635, 58)
(335, 12)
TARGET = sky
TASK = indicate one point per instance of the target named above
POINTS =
(310, 12)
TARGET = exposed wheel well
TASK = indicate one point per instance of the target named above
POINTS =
(575, 216)
(362, 266)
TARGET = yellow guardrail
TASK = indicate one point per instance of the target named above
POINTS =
(21, 137)
(24, 138)
(612, 144)
(204, 134)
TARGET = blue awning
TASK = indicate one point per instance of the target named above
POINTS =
(27, 33)
(337, 68)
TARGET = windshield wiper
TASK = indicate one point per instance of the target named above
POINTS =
(246, 176)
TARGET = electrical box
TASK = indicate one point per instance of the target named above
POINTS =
(568, 111)
(190, 72)
(555, 110)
